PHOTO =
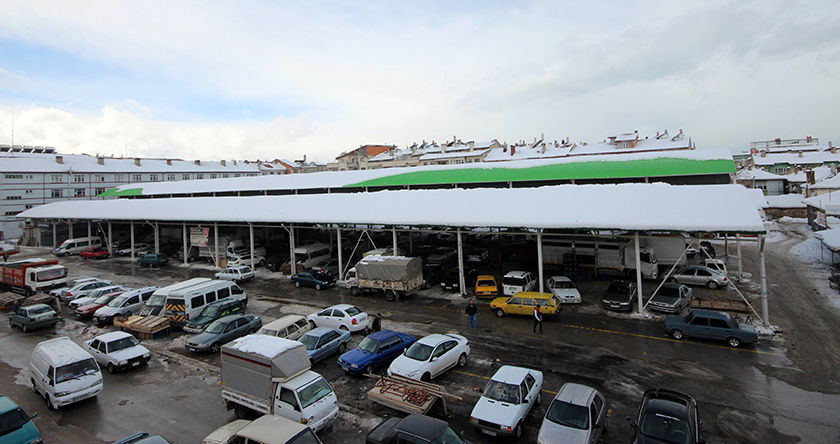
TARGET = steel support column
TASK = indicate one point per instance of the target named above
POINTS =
(740, 263)
(89, 232)
(251, 237)
(292, 262)
(184, 242)
(540, 260)
(131, 247)
(461, 281)
(765, 309)
(110, 240)
(340, 254)
(156, 226)
(216, 244)
(394, 240)
(638, 272)
(55, 234)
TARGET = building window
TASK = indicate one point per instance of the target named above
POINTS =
(99, 191)
(118, 178)
(236, 175)
(55, 178)
(79, 192)
(56, 193)
(459, 161)
(29, 176)
(213, 175)
(13, 197)
(137, 177)
(170, 177)
(185, 177)
(28, 192)
(12, 213)
(225, 175)
(29, 206)
(199, 176)
(14, 176)
(78, 178)
(99, 178)
(153, 177)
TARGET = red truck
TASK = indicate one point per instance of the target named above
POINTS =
(32, 275)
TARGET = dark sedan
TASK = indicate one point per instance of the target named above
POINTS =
(376, 350)
(666, 416)
(671, 298)
(222, 331)
(619, 296)
(452, 280)
(314, 279)
(714, 325)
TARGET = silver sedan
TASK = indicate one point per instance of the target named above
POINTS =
(698, 275)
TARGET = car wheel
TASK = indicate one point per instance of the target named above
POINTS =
(734, 342)
(712, 285)
(34, 387)
(11, 323)
(500, 313)
(111, 368)
(355, 291)
(262, 263)
(318, 287)
(312, 325)
(24, 328)
(426, 377)
(677, 334)
(252, 331)
(539, 398)
(297, 284)
(342, 347)
(518, 431)
(215, 347)
(190, 259)
(391, 295)
(344, 327)
(462, 360)
(50, 405)
(369, 369)
(329, 272)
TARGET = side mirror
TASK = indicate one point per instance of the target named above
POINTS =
(33, 416)
(433, 359)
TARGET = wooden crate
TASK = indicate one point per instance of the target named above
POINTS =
(736, 305)
(149, 327)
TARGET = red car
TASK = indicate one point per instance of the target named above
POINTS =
(87, 311)
(95, 253)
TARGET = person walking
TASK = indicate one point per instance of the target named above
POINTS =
(377, 323)
(537, 319)
(472, 313)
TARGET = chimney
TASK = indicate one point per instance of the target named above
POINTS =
(59, 159)
(808, 139)
(137, 161)
(797, 169)
(472, 145)
(443, 148)
(800, 154)
(809, 177)
(198, 162)
(778, 141)
(543, 147)
(234, 163)
(832, 148)
(223, 162)
(512, 150)
(100, 160)
(763, 153)
(169, 162)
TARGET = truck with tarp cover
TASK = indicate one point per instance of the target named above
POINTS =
(267, 375)
(32, 275)
(396, 276)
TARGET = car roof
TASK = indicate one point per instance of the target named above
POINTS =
(437, 338)
(229, 318)
(38, 306)
(510, 374)
(422, 425)
(560, 279)
(711, 314)
(112, 336)
(319, 331)
(533, 294)
(382, 334)
(269, 427)
(576, 394)
(343, 307)
(486, 276)
(667, 402)
(700, 267)
(516, 273)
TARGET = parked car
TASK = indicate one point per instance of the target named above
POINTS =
(564, 289)
(699, 275)
(315, 279)
(94, 295)
(324, 341)
(274, 263)
(16, 427)
(506, 400)
(342, 316)
(671, 298)
(486, 286)
(328, 266)
(417, 429)
(432, 275)
(33, 316)
(431, 356)
(236, 273)
(477, 256)
(139, 250)
(577, 414)
(290, 327)
(442, 255)
(714, 325)
(117, 351)
(213, 311)
(86, 311)
(515, 281)
(126, 304)
(452, 280)
(82, 289)
(376, 350)
(143, 438)
(619, 296)
(524, 302)
(57, 292)
(245, 259)
(95, 253)
(666, 416)
(153, 260)
(222, 331)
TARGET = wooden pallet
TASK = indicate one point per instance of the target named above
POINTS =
(736, 305)
(407, 395)
(147, 326)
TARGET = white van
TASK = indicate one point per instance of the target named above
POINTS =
(183, 305)
(154, 305)
(310, 255)
(516, 281)
(63, 373)
(75, 246)
(290, 327)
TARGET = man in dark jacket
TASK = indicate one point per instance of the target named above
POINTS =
(377, 323)
(472, 313)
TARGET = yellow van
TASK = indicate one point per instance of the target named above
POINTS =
(524, 302)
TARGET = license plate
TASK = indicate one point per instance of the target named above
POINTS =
(135, 364)
(345, 368)
(489, 432)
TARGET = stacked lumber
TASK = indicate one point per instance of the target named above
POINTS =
(737, 305)
(407, 395)
(147, 324)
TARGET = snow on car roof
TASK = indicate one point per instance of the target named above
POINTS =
(112, 336)
(263, 345)
(510, 374)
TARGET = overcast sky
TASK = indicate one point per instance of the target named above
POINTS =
(264, 80)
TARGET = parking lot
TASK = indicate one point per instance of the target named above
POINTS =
(783, 389)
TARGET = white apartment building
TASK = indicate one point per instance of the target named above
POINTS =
(36, 176)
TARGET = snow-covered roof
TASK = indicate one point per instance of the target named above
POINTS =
(808, 158)
(263, 345)
(83, 163)
(758, 197)
(626, 137)
(831, 183)
(636, 206)
(643, 145)
(829, 202)
(338, 179)
(785, 201)
(757, 174)
(448, 154)
(829, 238)
(820, 173)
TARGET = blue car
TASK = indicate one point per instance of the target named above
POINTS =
(15, 425)
(376, 350)
(314, 279)
(714, 325)
(324, 341)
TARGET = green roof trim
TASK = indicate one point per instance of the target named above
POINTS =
(602, 169)
(119, 193)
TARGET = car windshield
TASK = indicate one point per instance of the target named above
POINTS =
(12, 420)
(514, 281)
(75, 370)
(117, 301)
(665, 428)
(369, 345)
(502, 392)
(313, 392)
(569, 415)
(352, 311)
(216, 327)
(309, 341)
(102, 300)
(156, 301)
(486, 283)
(211, 311)
(122, 344)
(307, 436)
(618, 289)
(39, 310)
(563, 284)
(447, 437)
(419, 352)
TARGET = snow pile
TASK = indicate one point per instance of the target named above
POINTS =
(793, 220)
(263, 345)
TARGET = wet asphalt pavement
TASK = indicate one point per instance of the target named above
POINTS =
(777, 391)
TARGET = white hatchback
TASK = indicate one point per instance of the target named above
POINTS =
(117, 350)
(429, 357)
(506, 400)
(342, 316)
(564, 289)
(236, 273)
